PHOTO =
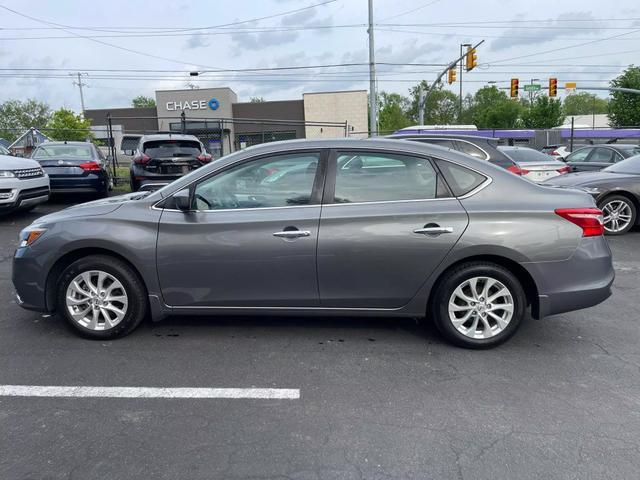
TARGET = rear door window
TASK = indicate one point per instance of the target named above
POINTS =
(579, 155)
(171, 148)
(601, 155)
(381, 177)
(461, 180)
(471, 149)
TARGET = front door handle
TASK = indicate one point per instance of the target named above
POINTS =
(433, 230)
(292, 234)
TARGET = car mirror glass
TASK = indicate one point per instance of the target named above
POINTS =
(182, 200)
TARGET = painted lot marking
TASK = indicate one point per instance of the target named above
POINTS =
(147, 392)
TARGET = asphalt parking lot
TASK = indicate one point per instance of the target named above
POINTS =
(379, 398)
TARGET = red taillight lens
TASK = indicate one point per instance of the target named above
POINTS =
(204, 157)
(142, 159)
(589, 219)
(517, 170)
(90, 166)
(564, 170)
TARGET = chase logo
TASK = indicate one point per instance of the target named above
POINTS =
(214, 104)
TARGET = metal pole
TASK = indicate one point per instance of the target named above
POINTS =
(373, 99)
(183, 122)
(460, 99)
(571, 140)
(421, 106)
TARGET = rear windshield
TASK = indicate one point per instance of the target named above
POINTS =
(524, 155)
(70, 152)
(172, 148)
(631, 165)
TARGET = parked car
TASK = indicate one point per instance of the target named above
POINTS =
(532, 164)
(369, 227)
(74, 167)
(597, 157)
(23, 184)
(482, 148)
(559, 152)
(162, 158)
(616, 190)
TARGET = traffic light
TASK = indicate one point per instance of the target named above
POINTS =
(553, 87)
(514, 87)
(452, 75)
(472, 59)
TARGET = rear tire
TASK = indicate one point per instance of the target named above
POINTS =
(478, 305)
(101, 297)
(625, 214)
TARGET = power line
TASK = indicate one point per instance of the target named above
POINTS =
(411, 11)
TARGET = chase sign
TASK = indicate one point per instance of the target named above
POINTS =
(212, 104)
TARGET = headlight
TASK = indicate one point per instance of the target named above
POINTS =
(6, 174)
(30, 235)
(592, 190)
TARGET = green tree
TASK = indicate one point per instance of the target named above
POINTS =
(141, 102)
(441, 106)
(544, 112)
(624, 108)
(392, 114)
(584, 103)
(491, 108)
(66, 125)
(17, 116)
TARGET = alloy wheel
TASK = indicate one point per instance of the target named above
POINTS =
(617, 216)
(96, 300)
(481, 307)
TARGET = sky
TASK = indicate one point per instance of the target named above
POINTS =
(129, 48)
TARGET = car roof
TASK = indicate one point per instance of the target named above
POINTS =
(76, 143)
(451, 136)
(167, 136)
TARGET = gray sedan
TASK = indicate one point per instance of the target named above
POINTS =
(324, 227)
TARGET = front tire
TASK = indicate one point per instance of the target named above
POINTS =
(101, 297)
(619, 214)
(478, 305)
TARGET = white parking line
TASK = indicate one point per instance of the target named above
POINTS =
(147, 392)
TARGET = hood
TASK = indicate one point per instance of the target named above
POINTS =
(91, 209)
(16, 163)
(579, 179)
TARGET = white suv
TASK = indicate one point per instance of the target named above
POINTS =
(23, 184)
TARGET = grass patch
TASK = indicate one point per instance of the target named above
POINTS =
(121, 182)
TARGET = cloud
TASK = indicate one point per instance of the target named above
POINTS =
(196, 41)
(548, 32)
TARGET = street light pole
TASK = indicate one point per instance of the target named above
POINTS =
(461, 69)
(373, 98)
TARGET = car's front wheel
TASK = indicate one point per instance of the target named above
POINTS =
(619, 214)
(478, 305)
(101, 297)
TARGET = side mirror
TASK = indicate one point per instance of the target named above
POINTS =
(182, 200)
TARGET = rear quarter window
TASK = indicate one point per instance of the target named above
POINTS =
(461, 180)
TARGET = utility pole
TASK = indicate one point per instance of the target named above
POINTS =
(461, 68)
(420, 106)
(373, 97)
(80, 84)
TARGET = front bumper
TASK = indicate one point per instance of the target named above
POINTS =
(582, 281)
(24, 193)
(29, 281)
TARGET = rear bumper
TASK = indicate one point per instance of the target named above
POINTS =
(582, 281)
(90, 183)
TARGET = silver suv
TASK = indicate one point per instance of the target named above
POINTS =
(23, 184)
(324, 227)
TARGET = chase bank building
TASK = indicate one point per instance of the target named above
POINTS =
(225, 125)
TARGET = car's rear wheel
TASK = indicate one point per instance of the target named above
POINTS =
(619, 214)
(478, 305)
(101, 297)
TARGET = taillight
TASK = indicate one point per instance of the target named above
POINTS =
(204, 157)
(589, 219)
(142, 158)
(517, 170)
(564, 170)
(90, 166)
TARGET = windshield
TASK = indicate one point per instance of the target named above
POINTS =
(71, 152)
(631, 166)
(172, 148)
(524, 155)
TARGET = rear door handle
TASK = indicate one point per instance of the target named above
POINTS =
(292, 234)
(433, 230)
